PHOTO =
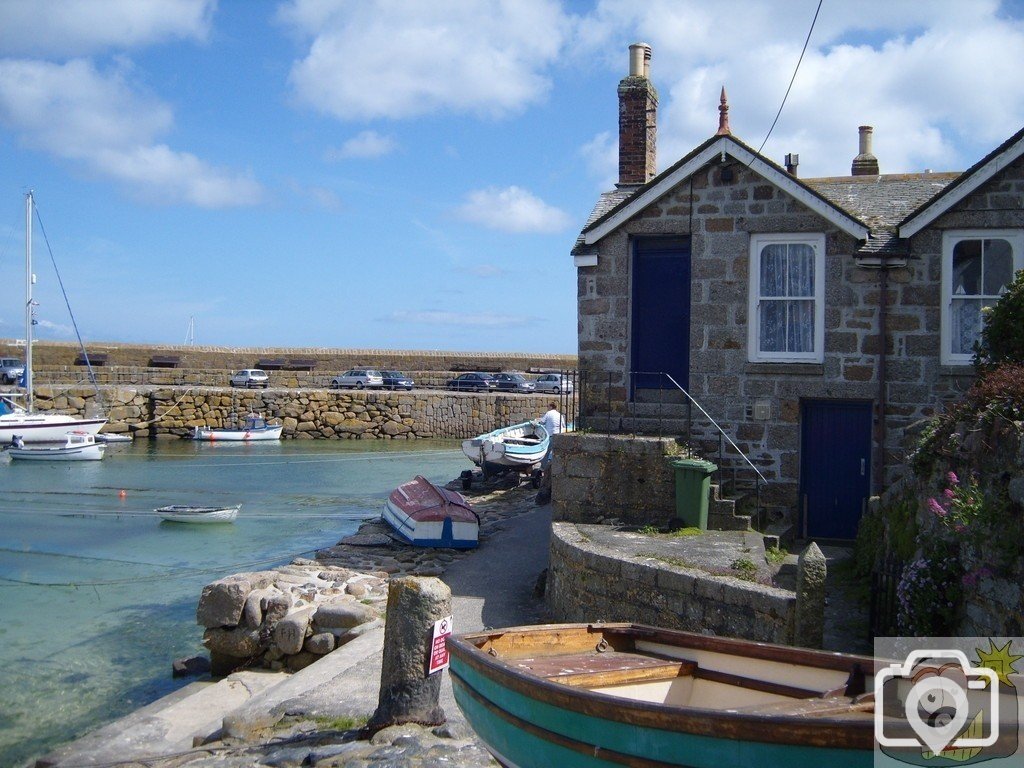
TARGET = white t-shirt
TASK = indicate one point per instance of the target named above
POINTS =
(553, 422)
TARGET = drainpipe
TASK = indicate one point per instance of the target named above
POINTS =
(883, 284)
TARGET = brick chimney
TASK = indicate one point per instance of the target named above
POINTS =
(638, 112)
(865, 163)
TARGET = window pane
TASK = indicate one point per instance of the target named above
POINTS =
(965, 327)
(801, 271)
(773, 270)
(773, 326)
(967, 268)
(801, 326)
(998, 265)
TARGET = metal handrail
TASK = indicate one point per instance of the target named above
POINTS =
(721, 431)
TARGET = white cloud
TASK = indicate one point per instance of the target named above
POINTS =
(475, 319)
(930, 77)
(397, 59)
(512, 210)
(63, 28)
(74, 112)
(368, 144)
(601, 155)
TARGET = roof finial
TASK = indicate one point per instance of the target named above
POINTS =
(723, 116)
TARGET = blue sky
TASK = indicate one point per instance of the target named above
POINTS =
(412, 175)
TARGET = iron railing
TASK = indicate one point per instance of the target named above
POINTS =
(654, 403)
(883, 610)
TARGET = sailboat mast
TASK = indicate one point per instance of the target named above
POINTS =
(29, 279)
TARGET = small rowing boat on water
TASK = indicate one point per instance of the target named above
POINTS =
(624, 694)
(421, 513)
(255, 427)
(78, 446)
(519, 445)
(183, 513)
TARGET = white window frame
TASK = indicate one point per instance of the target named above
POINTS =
(1015, 237)
(757, 242)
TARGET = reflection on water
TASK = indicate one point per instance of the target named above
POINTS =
(98, 595)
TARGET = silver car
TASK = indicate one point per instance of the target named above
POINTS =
(358, 378)
(11, 369)
(553, 383)
(251, 378)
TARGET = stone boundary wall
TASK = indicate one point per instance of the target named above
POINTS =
(327, 360)
(598, 478)
(306, 414)
(587, 582)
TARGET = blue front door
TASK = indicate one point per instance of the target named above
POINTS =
(661, 312)
(835, 466)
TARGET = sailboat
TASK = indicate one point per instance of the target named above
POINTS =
(17, 419)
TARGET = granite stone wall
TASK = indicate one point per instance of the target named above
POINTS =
(588, 582)
(306, 414)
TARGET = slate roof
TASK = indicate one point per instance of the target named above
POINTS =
(879, 202)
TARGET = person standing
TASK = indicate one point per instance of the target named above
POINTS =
(552, 421)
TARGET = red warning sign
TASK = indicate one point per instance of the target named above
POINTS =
(438, 649)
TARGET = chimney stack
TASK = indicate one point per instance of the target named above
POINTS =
(638, 112)
(865, 163)
(792, 161)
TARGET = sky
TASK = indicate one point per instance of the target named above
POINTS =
(397, 174)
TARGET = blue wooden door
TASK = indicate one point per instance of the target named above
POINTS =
(661, 311)
(835, 466)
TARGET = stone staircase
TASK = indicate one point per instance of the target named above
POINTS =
(722, 514)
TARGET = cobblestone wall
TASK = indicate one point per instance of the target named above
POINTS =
(306, 414)
(588, 582)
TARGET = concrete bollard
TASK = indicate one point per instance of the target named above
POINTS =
(811, 571)
(407, 693)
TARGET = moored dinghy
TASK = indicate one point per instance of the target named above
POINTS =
(421, 513)
(78, 446)
(519, 445)
(623, 694)
(184, 513)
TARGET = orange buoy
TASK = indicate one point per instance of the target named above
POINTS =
(122, 493)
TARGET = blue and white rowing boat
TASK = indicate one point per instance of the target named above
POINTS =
(423, 514)
(519, 446)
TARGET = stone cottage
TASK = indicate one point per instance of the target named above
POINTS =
(815, 320)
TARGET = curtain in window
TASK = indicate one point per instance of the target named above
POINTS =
(981, 271)
(787, 298)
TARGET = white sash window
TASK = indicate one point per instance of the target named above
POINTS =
(787, 289)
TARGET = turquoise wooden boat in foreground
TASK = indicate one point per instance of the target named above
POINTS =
(627, 695)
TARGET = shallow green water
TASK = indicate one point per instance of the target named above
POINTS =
(101, 643)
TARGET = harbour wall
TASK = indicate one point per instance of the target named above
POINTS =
(305, 414)
(325, 361)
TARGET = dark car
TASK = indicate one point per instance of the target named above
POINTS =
(477, 381)
(514, 382)
(396, 380)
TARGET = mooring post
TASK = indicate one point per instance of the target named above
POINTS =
(408, 692)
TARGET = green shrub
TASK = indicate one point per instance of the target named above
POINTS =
(1002, 333)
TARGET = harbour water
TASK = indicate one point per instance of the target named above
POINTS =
(98, 595)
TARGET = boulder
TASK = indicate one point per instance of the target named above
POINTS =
(343, 614)
(239, 642)
(290, 632)
(222, 602)
(321, 643)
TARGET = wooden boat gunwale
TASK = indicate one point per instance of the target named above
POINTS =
(806, 731)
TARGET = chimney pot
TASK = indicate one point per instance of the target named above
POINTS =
(865, 163)
(792, 161)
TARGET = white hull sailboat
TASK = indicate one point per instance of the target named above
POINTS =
(17, 419)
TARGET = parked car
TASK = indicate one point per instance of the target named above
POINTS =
(473, 381)
(554, 383)
(514, 382)
(396, 380)
(358, 378)
(250, 378)
(11, 370)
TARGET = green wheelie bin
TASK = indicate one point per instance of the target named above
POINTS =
(693, 486)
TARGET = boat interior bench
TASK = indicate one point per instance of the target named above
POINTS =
(94, 358)
(270, 364)
(522, 440)
(164, 361)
